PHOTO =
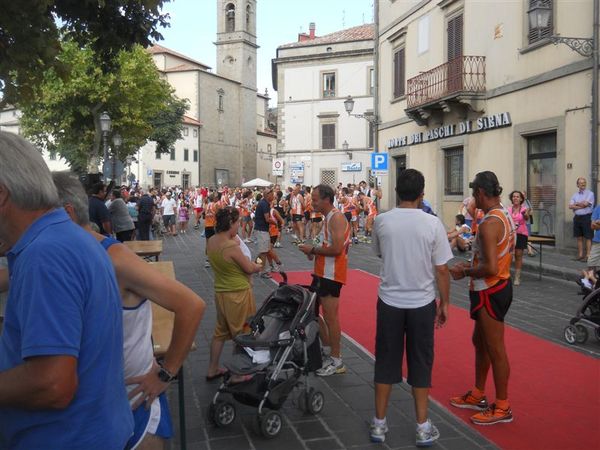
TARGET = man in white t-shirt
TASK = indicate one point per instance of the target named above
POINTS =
(414, 251)
(168, 209)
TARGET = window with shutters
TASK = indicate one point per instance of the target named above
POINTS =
(328, 135)
(455, 37)
(399, 75)
(186, 154)
(455, 53)
(542, 182)
(195, 155)
(173, 155)
(453, 171)
(537, 34)
(157, 154)
(329, 84)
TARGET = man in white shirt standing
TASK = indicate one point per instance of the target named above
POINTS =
(168, 209)
(415, 252)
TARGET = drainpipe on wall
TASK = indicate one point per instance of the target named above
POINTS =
(376, 89)
(595, 62)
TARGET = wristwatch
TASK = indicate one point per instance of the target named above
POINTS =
(164, 375)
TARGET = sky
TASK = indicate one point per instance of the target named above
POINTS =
(194, 27)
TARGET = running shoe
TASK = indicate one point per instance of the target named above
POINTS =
(331, 368)
(277, 244)
(426, 438)
(467, 401)
(206, 264)
(492, 416)
(377, 433)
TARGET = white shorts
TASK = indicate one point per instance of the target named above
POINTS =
(594, 259)
(263, 241)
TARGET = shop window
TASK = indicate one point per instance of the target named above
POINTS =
(541, 182)
(453, 171)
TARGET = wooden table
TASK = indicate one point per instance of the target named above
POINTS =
(146, 249)
(162, 330)
(541, 241)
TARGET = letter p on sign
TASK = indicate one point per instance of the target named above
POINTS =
(379, 162)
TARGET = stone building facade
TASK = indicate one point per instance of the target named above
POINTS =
(466, 86)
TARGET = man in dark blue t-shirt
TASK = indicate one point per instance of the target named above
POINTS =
(262, 218)
(98, 211)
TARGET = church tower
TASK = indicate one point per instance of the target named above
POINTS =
(236, 60)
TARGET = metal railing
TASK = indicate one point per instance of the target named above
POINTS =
(462, 74)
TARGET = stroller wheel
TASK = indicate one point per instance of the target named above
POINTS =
(582, 334)
(222, 413)
(270, 424)
(570, 334)
(315, 401)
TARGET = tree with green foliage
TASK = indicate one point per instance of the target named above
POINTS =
(31, 31)
(63, 116)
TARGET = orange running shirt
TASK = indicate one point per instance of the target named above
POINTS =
(210, 218)
(504, 250)
(332, 267)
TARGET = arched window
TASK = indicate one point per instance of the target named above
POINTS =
(248, 14)
(230, 18)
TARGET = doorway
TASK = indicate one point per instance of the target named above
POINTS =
(400, 167)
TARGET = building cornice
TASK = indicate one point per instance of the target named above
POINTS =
(323, 56)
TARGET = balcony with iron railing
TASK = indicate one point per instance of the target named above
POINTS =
(456, 83)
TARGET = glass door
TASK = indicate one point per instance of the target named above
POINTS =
(541, 182)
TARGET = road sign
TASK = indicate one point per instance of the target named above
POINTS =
(277, 168)
(149, 172)
(379, 163)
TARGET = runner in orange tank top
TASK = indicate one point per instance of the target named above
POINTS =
(490, 295)
(330, 253)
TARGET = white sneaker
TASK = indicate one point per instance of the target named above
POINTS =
(426, 438)
(377, 432)
(206, 264)
(331, 368)
(277, 244)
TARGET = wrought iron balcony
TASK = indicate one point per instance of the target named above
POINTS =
(459, 79)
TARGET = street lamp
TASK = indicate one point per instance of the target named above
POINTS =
(349, 105)
(105, 127)
(539, 17)
(345, 147)
(117, 141)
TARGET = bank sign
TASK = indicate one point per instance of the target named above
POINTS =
(484, 123)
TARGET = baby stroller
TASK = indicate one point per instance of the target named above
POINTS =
(588, 314)
(275, 357)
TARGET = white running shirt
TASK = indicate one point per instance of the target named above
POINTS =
(411, 243)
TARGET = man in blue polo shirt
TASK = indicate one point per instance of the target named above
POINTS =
(61, 349)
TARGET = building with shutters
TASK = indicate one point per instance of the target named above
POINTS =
(467, 86)
(316, 139)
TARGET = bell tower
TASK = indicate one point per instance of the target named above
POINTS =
(236, 41)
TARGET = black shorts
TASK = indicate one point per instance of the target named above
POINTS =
(521, 242)
(208, 232)
(168, 220)
(395, 326)
(307, 215)
(324, 287)
(496, 300)
(273, 239)
(316, 219)
(582, 226)
(348, 216)
(297, 217)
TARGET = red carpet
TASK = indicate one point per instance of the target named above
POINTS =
(554, 391)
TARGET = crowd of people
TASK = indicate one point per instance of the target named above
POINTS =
(76, 350)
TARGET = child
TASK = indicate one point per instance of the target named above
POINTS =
(461, 237)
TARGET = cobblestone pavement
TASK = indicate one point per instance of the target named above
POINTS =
(542, 308)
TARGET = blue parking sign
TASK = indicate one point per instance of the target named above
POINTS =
(379, 162)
